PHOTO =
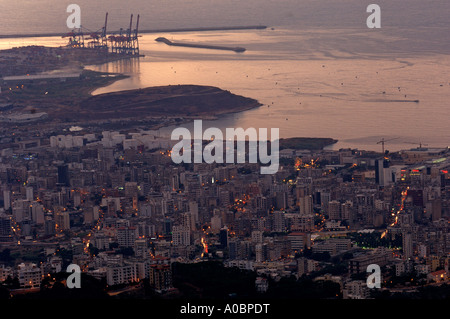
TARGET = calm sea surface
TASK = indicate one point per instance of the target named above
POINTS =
(317, 70)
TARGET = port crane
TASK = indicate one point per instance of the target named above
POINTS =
(99, 40)
(76, 38)
(126, 42)
(123, 42)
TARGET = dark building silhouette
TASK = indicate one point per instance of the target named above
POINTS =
(63, 175)
(223, 237)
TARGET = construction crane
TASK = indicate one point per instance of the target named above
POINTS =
(383, 141)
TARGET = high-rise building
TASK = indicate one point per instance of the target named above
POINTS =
(416, 196)
(261, 203)
(76, 199)
(305, 205)
(6, 199)
(224, 198)
(106, 154)
(262, 252)
(168, 226)
(100, 241)
(299, 241)
(29, 275)
(279, 223)
(88, 216)
(347, 211)
(146, 230)
(302, 266)
(193, 210)
(407, 245)
(49, 227)
(245, 250)
(21, 210)
(216, 223)
(323, 198)
(126, 236)
(233, 249)
(334, 210)
(63, 175)
(5, 228)
(383, 172)
(223, 237)
(120, 274)
(62, 220)
(160, 277)
(131, 189)
(140, 248)
(281, 200)
(29, 193)
(181, 236)
(37, 213)
(303, 223)
(257, 237)
(436, 209)
(95, 212)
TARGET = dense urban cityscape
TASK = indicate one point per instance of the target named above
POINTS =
(114, 203)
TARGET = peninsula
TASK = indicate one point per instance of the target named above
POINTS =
(54, 81)
(193, 101)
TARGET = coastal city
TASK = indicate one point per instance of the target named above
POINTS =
(115, 204)
(99, 201)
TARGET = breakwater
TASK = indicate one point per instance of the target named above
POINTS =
(200, 46)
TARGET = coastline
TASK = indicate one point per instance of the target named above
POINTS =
(65, 102)
(176, 30)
